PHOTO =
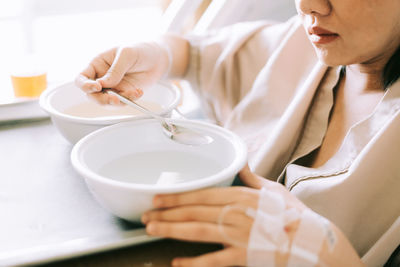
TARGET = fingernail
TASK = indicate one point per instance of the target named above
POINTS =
(137, 93)
(151, 229)
(175, 262)
(145, 218)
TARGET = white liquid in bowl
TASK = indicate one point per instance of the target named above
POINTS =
(94, 110)
(160, 167)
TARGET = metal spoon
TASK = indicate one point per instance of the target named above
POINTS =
(175, 132)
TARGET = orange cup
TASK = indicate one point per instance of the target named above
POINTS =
(29, 85)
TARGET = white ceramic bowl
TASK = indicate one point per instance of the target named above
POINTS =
(122, 163)
(59, 102)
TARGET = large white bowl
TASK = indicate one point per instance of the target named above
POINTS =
(120, 163)
(73, 127)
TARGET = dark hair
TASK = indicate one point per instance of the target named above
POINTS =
(391, 72)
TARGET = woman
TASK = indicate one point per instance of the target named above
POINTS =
(326, 132)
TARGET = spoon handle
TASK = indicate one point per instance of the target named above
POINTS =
(177, 133)
(136, 106)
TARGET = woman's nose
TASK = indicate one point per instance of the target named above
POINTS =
(314, 7)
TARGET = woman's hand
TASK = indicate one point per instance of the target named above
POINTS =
(126, 70)
(194, 216)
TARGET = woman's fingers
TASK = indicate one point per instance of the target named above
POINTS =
(250, 179)
(212, 196)
(87, 85)
(209, 214)
(86, 80)
(109, 70)
(124, 58)
(94, 90)
(255, 181)
(129, 87)
(104, 98)
(200, 232)
(231, 256)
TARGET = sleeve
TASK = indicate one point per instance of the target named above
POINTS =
(224, 63)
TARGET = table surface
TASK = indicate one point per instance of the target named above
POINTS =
(154, 254)
(50, 215)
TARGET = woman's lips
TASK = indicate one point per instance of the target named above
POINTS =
(319, 35)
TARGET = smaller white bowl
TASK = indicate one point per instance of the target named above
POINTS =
(126, 164)
(74, 115)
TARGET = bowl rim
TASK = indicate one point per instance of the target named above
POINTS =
(234, 167)
(47, 94)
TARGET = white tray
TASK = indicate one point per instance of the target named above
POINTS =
(21, 109)
(47, 212)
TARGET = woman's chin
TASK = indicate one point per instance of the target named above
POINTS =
(330, 59)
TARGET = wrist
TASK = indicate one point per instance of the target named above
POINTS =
(179, 50)
(167, 57)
